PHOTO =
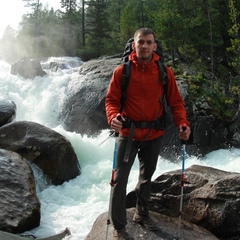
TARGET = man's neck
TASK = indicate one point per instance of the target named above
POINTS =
(142, 60)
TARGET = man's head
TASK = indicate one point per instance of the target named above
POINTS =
(144, 44)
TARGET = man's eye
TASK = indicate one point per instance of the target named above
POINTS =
(148, 42)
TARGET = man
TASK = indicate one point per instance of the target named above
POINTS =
(141, 105)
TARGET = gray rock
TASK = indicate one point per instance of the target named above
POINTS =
(49, 150)
(28, 68)
(168, 229)
(9, 236)
(19, 205)
(7, 111)
(211, 199)
(84, 111)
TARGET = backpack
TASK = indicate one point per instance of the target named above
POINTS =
(126, 73)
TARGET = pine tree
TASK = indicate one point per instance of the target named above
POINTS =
(169, 26)
(97, 28)
(69, 5)
(235, 37)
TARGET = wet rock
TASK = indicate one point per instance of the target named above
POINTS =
(7, 111)
(40, 145)
(168, 229)
(19, 205)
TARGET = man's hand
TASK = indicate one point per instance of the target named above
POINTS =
(116, 123)
(184, 132)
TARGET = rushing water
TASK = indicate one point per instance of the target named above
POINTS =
(76, 204)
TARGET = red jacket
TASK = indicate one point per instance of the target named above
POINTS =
(143, 93)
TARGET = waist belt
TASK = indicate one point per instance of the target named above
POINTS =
(158, 124)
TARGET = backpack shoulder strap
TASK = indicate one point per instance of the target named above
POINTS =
(163, 77)
(126, 72)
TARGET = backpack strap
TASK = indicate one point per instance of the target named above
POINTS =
(163, 78)
(126, 72)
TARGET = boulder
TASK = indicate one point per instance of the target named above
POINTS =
(49, 150)
(7, 111)
(19, 205)
(28, 68)
(54, 66)
(84, 110)
(168, 229)
(211, 199)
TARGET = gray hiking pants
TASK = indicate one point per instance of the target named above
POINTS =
(148, 152)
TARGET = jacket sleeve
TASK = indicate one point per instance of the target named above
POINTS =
(175, 100)
(113, 96)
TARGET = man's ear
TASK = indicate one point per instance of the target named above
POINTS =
(133, 45)
(155, 47)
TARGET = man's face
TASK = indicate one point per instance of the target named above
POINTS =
(144, 46)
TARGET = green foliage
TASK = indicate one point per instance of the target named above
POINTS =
(86, 53)
(234, 49)
(169, 24)
(114, 12)
(183, 26)
(97, 29)
(220, 103)
(69, 5)
(128, 23)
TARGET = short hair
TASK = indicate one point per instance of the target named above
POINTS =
(144, 31)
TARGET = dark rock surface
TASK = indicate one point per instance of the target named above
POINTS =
(84, 111)
(19, 205)
(7, 111)
(211, 199)
(49, 150)
(168, 229)
(28, 68)
(9, 236)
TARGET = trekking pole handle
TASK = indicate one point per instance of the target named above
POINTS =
(119, 118)
(184, 127)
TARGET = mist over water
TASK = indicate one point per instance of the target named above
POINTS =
(76, 204)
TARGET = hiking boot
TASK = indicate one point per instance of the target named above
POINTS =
(121, 234)
(146, 221)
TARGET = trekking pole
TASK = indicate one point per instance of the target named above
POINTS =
(112, 178)
(183, 148)
(110, 135)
